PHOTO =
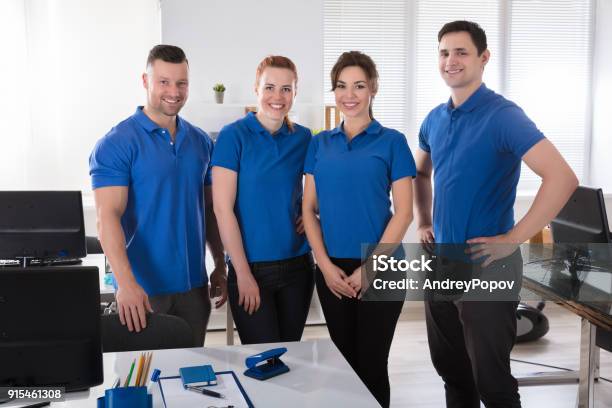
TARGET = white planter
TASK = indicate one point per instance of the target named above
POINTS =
(219, 97)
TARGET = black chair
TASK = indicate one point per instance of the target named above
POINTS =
(162, 332)
(603, 339)
(93, 245)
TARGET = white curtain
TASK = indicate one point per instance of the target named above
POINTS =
(14, 105)
(73, 72)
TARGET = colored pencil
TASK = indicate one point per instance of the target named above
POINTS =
(147, 369)
(141, 360)
(127, 380)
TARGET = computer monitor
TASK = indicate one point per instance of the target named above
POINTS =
(581, 222)
(583, 219)
(50, 327)
(41, 224)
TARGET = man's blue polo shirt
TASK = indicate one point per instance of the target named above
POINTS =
(269, 190)
(353, 180)
(476, 151)
(164, 222)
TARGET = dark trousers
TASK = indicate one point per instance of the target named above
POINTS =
(470, 344)
(285, 288)
(193, 306)
(362, 331)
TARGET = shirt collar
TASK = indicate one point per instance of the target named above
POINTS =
(476, 99)
(255, 126)
(373, 128)
(150, 126)
(144, 121)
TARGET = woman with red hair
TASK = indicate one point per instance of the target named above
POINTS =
(257, 192)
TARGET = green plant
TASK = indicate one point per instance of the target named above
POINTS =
(219, 88)
(315, 131)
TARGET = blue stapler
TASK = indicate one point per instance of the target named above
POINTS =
(266, 365)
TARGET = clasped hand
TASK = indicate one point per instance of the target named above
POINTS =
(342, 285)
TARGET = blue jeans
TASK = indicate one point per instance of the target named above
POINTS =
(285, 288)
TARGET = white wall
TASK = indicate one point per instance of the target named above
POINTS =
(225, 40)
(601, 147)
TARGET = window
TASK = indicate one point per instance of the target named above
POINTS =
(541, 54)
(430, 16)
(549, 74)
(68, 90)
(377, 28)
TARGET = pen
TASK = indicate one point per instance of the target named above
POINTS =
(205, 392)
(127, 380)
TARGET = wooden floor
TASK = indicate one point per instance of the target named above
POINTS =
(414, 383)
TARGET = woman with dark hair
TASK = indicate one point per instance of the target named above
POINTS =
(350, 171)
(257, 191)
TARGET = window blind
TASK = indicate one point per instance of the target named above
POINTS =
(430, 16)
(377, 28)
(549, 74)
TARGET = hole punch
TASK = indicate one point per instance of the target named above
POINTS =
(266, 365)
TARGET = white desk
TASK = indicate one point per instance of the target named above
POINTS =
(319, 376)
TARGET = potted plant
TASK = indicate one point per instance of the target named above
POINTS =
(219, 92)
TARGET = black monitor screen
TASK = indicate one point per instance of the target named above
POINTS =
(41, 224)
(50, 327)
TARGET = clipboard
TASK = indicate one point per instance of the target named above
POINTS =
(157, 378)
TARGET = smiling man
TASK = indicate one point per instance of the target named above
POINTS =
(152, 185)
(474, 144)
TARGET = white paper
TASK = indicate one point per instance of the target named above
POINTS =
(179, 397)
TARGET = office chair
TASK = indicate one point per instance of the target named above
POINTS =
(93, 245)
(162, 332)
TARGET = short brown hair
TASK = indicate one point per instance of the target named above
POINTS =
(276, 61)
(479, 38)
(166, 53)
(356, 59)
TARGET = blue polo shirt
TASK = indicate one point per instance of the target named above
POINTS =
(163, 223)
(269, 191)
(476, 151)
(353, 180)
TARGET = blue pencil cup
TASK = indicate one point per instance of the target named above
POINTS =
(126, 397)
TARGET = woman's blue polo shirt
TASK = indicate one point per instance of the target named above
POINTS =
(353, 180)
(476, 151)
(164, 222)
(269, 191)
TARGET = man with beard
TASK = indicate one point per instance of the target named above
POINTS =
(151, 180)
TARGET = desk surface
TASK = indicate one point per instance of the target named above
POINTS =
(584, 285)
(319, 376)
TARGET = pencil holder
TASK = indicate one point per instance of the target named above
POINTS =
(126, 397)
